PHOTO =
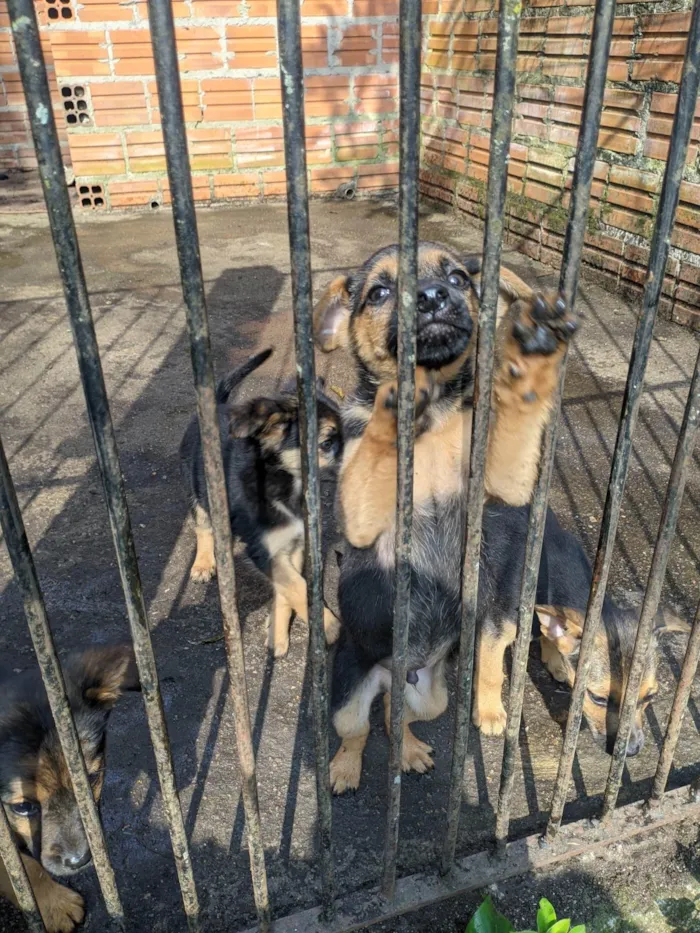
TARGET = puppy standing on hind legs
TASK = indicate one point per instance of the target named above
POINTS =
(262, 467)
(532, 333)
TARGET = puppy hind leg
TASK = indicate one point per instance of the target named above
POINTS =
(415, 755)
(204, 566)
(278, 625)
(351, 722)
(288, 581)
(488, 712)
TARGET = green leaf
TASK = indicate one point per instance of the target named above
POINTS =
(561, 926)
(546, 916)
(579, 929)
(488, 920)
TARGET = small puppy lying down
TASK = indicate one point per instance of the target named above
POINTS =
(262, 465)
(563, 587)
(35, 786)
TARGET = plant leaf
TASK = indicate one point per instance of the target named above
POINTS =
(488, 920)
(561, 926)
(579, 929)
(546, 916)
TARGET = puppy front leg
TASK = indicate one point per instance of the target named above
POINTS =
(368, 476)
(204, 566)
(532, 341)
(290, 586)
(61, 908)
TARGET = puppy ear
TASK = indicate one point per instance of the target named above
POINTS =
(104, 673)
(667, 621)
(332, 314)
(263, 419)
(562, 626)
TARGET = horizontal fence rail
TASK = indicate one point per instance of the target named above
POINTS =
(452, 875)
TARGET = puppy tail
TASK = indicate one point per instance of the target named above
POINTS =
(227, 384)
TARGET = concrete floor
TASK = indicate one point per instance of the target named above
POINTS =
(134, 282)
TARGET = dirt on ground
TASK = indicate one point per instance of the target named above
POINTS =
(132, 274)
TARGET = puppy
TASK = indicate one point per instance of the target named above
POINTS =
(35, 785)
(563, 587)
(361, 310)
(262, 465)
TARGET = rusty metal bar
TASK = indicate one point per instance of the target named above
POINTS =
(680, 703)
(16, 872)
(51, 171)
(568, 284)
(160, 15)
(478, 871)
(663, 226)
(291, 66)
(508, 28)
(409, 157)
(33, 601)
(657, 572)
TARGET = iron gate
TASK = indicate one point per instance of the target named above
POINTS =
(451, 876)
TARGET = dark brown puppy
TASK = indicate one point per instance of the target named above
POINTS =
(361, 311)
(35, 787)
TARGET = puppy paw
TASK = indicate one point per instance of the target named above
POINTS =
(490, 720)
(386, 405)
(543, 325)
(331, 626)
(62, 909)
(202, 571)
(345, 770)
(416, 754)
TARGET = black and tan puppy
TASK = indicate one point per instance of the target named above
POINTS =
(563, 587)
(361, 311)
(35, 786)
(262, 465)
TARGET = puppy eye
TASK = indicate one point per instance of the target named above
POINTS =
(377, 294)
(328, 444)
(26, 808)
(598, 700)
(458, 278)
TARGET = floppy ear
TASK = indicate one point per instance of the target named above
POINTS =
(332, 314)
(667, 621)
(104, 673)
(261, 418)
(562, 626)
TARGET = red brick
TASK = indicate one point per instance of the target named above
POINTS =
(633, 178)
(631, 199)
(267, 99)
(666, 22)
(79, 53)
(146, 151)
(326, 95)
(119, 103)
(258, 146)
(660, 70)
(314, 46)
(376, 93)
(358, 46)
(390, 43)
(236, 185)
(690, 193)
(200, 189)
(326, 8)
(96, 154)
(227, 99)
(210, 148)
(133, 193)
(251, 46)
(102, 11)
(327, 178)
(375, 7)
(625, 220)
(379, 176)
(190, 100)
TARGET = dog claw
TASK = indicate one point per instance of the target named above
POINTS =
(492, 722)
(203, 573)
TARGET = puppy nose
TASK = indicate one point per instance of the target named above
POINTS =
(432, 298)
(76, 860)
(636, 744)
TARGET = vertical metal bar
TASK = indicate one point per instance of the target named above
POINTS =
(36, 89)
(12, 861)
(657, 572)
(508, 28)
(680, 703)
(42, 639)
(568, 284)
(160, 14)
(668, 202)
(409, 154)
(292, 69)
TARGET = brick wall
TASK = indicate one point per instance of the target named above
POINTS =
(108, 104)
(645, 66)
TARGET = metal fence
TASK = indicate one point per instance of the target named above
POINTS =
(451, 876)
